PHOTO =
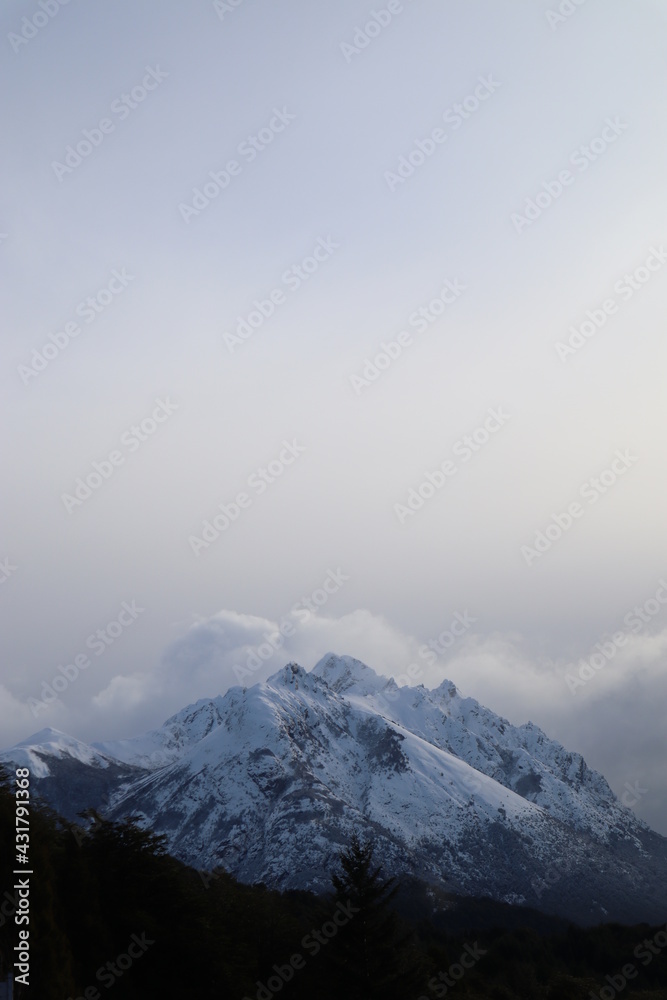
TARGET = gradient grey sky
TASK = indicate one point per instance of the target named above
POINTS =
(328, 180)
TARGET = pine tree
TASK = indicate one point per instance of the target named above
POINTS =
(371, 951)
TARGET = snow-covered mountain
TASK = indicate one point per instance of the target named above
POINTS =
(270, 781)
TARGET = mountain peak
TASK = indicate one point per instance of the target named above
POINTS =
(54, 741)
(47, 735)
(291, 675)
(341, 673)
(50, 744)
(448, 688)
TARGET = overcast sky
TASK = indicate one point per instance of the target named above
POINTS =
(379, 293)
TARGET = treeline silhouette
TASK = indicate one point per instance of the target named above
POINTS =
(111, 910)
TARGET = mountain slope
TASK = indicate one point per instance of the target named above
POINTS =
(271, 781)
(67, 774)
